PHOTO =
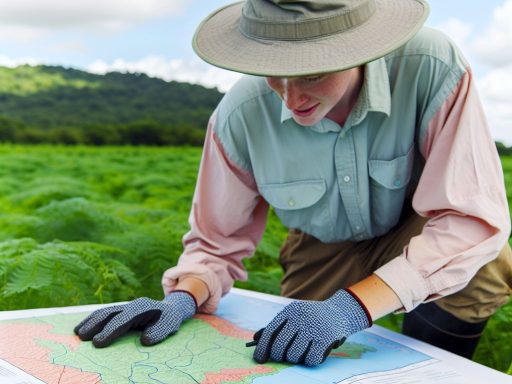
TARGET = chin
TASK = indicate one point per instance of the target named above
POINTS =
(306, 122)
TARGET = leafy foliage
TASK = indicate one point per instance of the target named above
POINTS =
(54, 273)
(495, 349)
(86, 225)
(129, 205)
(45, 104)
(503, 150)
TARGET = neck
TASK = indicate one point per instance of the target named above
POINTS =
(344, 107)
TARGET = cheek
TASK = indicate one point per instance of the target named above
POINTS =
(324, 91)
(332, 90)
(275, 85)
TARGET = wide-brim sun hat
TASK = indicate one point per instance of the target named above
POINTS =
(296, 38)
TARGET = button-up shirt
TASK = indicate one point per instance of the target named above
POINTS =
(417, 131)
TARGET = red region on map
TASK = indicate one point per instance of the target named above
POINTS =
(18, 346)
(234, 375)
(225, 328)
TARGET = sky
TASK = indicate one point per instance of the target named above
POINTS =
(154, 37)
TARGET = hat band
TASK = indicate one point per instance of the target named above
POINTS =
(307, 29)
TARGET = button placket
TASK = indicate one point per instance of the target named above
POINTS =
(345, 162)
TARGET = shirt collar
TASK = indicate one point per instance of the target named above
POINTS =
(375, 96)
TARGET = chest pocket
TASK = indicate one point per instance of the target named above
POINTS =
(388, 182)
(300, 204)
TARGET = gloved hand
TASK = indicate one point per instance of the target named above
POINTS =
(158, 319)
(305, 332)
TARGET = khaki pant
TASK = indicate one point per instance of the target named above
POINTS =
(315, 270)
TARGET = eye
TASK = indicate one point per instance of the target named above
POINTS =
(311, 79)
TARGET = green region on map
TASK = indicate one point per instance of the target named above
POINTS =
(185, 357)
(198, 353)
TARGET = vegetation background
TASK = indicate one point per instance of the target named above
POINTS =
(85, 224)
(44, 104)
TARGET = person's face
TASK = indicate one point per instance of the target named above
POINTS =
(311, 98)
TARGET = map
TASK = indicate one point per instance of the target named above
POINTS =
(207, 349)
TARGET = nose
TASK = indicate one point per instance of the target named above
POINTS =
(293, 95)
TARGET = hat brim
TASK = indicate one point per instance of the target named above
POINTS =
(219, 42)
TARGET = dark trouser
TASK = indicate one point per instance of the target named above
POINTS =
(315, 270)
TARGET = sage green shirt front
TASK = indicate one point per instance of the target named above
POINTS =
(342, 182)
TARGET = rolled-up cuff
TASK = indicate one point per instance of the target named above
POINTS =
(198, 271)
(408, 284)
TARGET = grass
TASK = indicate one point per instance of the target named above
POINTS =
(82, 225)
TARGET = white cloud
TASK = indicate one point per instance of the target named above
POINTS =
(175, 69)
(21, 34)
(494, 46)
(11, 63)
(496, 93)
(68, 47)
(110, 15)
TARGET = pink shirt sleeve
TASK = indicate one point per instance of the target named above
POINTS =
(220, 236)
(461, 190)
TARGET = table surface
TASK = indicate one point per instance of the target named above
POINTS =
(472, 371)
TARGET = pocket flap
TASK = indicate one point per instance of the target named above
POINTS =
(392, 174)
(295, 195)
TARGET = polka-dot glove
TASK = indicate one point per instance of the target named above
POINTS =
(156, 319)
(305, 332)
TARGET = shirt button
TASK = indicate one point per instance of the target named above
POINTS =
(346, 179)
(291, 203)
(358, 227)
(397, 183)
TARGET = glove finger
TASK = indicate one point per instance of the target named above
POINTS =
(334, 345)
(282, 342)
(166, 325)
(302, 359)
(316, 354)
(298, 350)
(255, 338)
(121, 323)
(95, 322)
(289, 346)
(264, 346)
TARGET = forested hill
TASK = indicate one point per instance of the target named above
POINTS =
(62, 105)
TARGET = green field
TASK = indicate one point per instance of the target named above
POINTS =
(83, 225)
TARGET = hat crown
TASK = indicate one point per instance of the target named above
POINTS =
(302, 20)
(286, 8)
(303, 37)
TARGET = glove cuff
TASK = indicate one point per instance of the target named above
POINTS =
(363, 306)
(184, 294)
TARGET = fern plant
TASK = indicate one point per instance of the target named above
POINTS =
(56, 273)
(83, 225)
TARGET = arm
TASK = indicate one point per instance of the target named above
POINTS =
(461, 190)
(377, 296)
(227, 221)
(195, 287)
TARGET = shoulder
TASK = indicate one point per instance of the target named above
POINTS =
(247, 91)
(431, 45)
(249, 105)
